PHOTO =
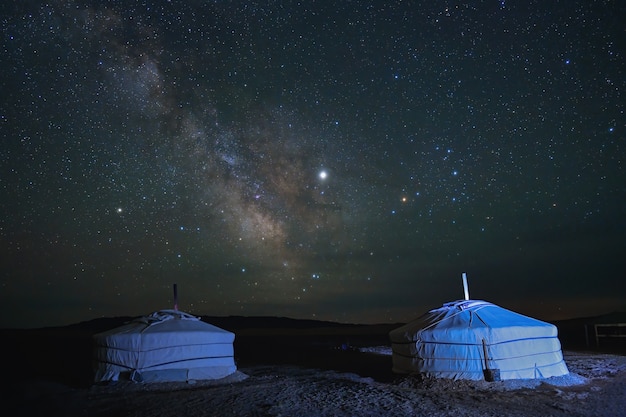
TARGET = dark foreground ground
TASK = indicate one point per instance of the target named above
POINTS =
(294, 368)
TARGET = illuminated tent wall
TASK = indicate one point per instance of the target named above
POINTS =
(167, 345)
(472, 339)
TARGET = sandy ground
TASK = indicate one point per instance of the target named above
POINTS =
(596, 386)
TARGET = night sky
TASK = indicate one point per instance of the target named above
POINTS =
(342, 161)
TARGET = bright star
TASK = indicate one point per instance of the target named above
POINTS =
(323, 175)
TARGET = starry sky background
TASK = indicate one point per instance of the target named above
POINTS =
(342, 161)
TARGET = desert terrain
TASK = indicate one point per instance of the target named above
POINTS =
(297, 370)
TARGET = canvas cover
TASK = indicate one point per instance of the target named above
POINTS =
(167, 345)
(451, 342)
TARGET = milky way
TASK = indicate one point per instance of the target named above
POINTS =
(152, 143)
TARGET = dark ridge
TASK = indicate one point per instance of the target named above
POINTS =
(270, 322)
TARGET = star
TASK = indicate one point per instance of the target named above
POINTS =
(280, 162)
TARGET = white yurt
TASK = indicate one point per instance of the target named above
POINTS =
(167, 345)
(474, 339)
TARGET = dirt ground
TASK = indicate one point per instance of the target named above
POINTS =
(362, 385)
